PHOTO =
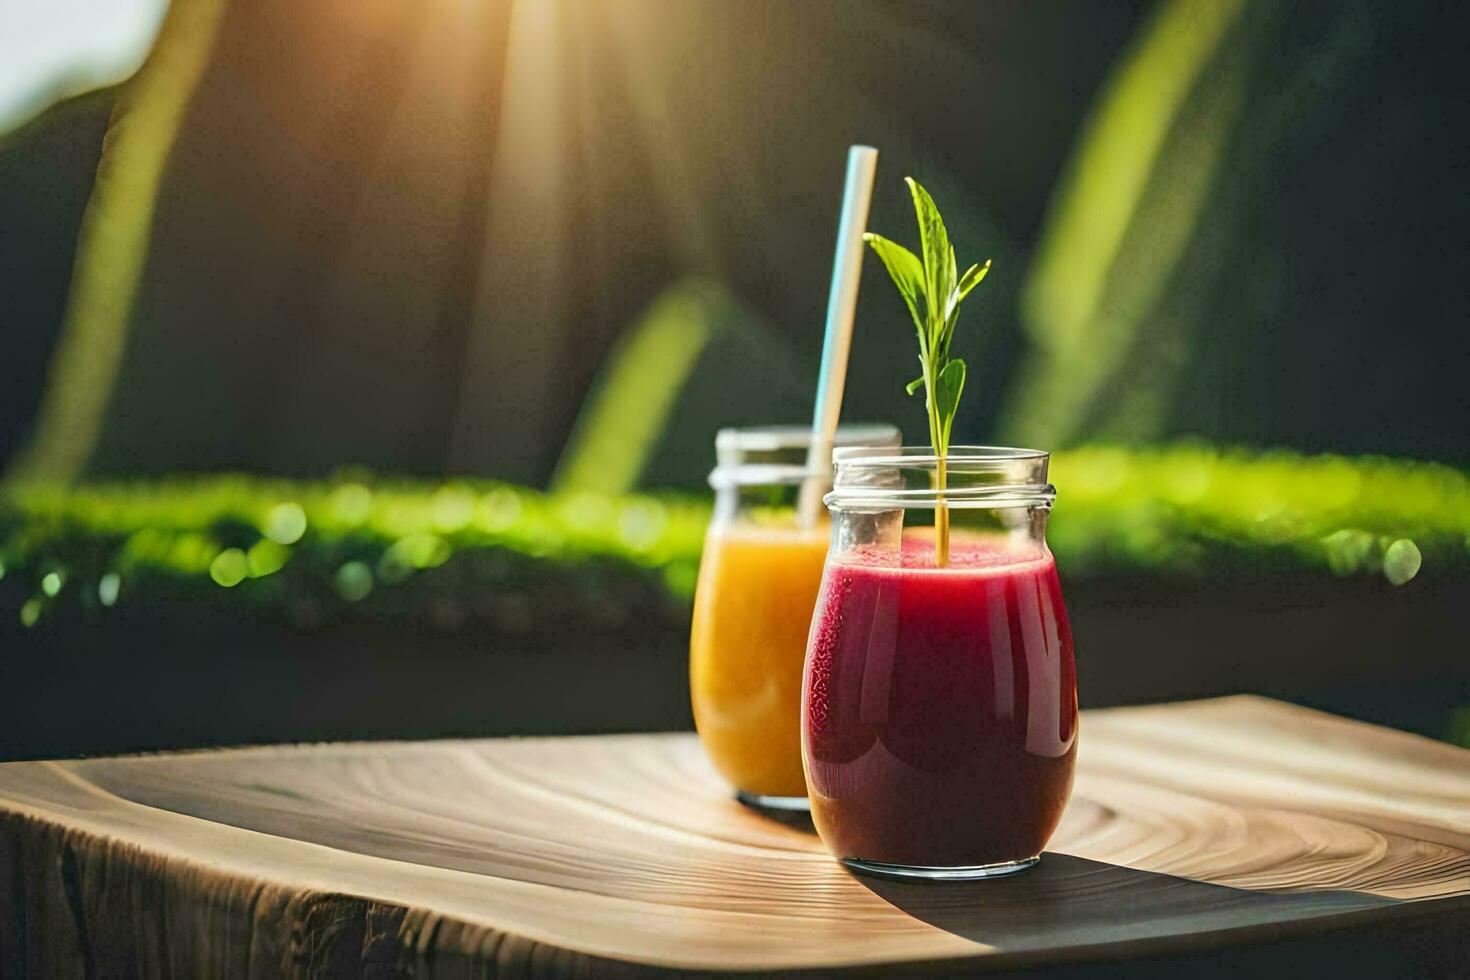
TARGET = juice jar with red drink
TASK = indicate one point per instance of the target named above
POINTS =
(939, 721)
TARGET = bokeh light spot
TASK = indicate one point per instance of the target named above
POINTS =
(192, 552)
(354, 581)
(265, 557)
(641, 523)
(352, 503)
(229, 568)
(415, 551)
(108, 587)
(1401, 562)
(286, 523)
(586, 512)
(498, 510)
(451, 508)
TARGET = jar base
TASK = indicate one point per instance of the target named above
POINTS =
(760, 801)
(920, 872)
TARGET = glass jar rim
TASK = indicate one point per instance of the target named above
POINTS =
(910, 456)
(777, 438)
(770, 438)
(857, 467)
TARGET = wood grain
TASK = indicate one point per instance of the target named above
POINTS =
(1192, 826)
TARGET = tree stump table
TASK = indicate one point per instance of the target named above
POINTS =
(1202, 830)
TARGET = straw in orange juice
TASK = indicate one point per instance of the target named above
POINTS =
(752, 611)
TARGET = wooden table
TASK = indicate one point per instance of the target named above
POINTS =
(1194, 828)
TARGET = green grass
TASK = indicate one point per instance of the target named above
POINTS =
(379, 549)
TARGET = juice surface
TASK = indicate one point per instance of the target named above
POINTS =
(752, 614)
(940, 717)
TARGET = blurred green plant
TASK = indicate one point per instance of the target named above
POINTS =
(112, 246)
(469, 550)
(667, 386)
(350, 549)
(1122, 218)
(1191, 507)
(619, 426)
(1149, 249)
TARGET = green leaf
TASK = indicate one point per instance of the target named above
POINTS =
(951, 383)
(934, 239)
(935, 274)
(972, 278)
(941, 350)
(906, 271)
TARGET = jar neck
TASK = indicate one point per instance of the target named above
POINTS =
(760, 472)
(780, 454)
(989, 504)
(767, 504)
(969, 477)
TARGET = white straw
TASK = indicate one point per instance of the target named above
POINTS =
(847, 270)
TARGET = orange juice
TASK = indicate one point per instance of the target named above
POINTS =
(752, 612)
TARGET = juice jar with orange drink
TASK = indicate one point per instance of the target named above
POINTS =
(758, 584)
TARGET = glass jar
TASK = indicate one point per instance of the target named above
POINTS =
(758, 583)
(939, 727)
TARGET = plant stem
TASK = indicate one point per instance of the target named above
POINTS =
(941, 510)
(941, 519)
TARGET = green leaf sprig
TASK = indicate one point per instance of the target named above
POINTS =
(933, 290)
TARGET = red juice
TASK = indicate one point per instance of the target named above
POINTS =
(940, 706)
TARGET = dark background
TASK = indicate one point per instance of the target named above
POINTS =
(341, 272)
